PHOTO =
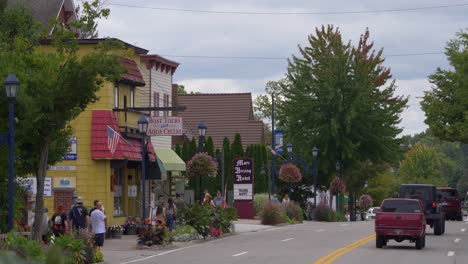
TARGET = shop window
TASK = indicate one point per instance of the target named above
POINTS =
(118, 193)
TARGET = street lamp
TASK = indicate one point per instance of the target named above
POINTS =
(314, 153)
(12, 88)
(143, 127)
(289, 148)
(201, 148)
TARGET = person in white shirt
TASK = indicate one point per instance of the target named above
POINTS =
(98, 224)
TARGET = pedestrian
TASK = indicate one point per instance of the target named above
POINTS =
(94, 208)
(207, 199)
(286, 199)
(31, 214)
(160, 218)
(171, 212)
(98, 224)
(218, 200)
(78, 216)
(59, 221)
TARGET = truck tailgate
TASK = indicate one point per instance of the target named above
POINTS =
(392, 220)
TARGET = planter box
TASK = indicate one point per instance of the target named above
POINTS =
(117, 234)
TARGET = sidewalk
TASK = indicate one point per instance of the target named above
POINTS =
(125, 249)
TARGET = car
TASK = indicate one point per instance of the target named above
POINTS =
(427, 193)
(370, 214)
(400, 219)
(451, 204)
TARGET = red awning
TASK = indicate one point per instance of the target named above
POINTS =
(127, 148)
(133, 74)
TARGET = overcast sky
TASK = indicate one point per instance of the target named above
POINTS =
(172, 33)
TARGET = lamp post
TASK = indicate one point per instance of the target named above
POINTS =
(12, 88)
(143, 127)
(289, 147)
(201, 148)
(314, 153)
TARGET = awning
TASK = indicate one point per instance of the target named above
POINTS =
(168, 160)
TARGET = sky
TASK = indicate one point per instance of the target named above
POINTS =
(175, 34)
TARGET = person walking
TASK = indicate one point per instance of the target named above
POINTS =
(94, 208)
(218, 200)
(171, 211)
(59, 221)
(98, 224)
(78, 216)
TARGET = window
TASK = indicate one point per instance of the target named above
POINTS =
(400, 206)
(166, 104)
(116, 95)
(156, 103)
(132, 97)
(119, 192)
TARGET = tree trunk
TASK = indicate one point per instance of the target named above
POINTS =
(40, 178)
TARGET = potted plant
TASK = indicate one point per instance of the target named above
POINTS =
(365, 201)
(202, 164)
(290, 173)
(130, 227)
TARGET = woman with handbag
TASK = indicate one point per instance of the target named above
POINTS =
(171, 212)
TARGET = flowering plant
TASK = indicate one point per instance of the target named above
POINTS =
(115, 228)
(365, 201)
(337, 186)
(290, 173)
(202, 164)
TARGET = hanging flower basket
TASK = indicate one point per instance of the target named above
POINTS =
(365, 201)
(202, 164)
(337, 186)
(290, 173)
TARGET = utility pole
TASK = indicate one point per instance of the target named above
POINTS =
(273, 143)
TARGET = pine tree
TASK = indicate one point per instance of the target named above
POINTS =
(178, 150)
(237, 150)
(227, 164)
(209, 146)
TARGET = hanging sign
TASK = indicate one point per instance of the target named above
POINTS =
(279, 135)
(132, 190)
(164, 126)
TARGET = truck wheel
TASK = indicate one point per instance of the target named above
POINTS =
(460, 217)
(438, 228)
(419, 242)
(379, 241)
(443, 227)
(424, 241)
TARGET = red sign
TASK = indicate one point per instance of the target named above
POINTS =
(243, 179)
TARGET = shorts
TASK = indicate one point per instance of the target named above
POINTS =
(99, 239)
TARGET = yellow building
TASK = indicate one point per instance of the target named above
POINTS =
(97, 167)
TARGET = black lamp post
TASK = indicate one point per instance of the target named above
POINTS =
(201, 148)
(12, 88)
(289, 147)
(143, 127)
(314, 153)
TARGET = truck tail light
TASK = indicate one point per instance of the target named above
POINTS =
(434, 204)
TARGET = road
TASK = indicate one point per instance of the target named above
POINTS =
(318, 243)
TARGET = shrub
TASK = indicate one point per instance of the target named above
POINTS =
(339, 217)
(98, 256)
(323, 213)
(227, 215)
(260, 200)
(75, 248)
(54, 255)
(184, 233)
(197, 216)
(30, 250)
(154, 235)
(271, 214)
(294, 211)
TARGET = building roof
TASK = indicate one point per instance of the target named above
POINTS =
(133, 75)
(43, 10)
(95, 41)
(127, 148)
(161, 63)
(223, 114)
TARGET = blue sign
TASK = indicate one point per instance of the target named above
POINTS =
(72, 150)
(279, 146)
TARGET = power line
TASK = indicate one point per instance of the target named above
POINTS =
(290, 13)
(283, 58)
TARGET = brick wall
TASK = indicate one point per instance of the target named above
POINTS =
(64, 198)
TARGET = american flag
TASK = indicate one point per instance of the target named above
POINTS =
(112, 139)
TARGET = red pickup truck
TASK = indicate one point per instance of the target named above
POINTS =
(400, 219)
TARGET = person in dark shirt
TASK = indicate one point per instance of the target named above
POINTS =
(79, 217)
(59, 221)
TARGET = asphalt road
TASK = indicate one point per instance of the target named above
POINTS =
(318, 243)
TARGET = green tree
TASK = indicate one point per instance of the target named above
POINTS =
(209, 146)
(181, 89)
(446, 105)
(55, 88)
(422, 165)
(185, 151)
(237, 150)
(193, 148)
(178, 150)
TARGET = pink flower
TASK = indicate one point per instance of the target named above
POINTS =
(202, 164)
(337, 186)
(290, 173)
(366, 200)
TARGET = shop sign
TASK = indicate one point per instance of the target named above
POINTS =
(30, 184)
(61, 168)
(64, 182)
(243, 179)
(164, 126)
(72, 150)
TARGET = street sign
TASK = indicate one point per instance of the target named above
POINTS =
(72, 150)
(164, 126)
(243, 173)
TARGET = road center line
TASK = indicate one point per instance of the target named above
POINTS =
(287, 239)
(240, 254)
(450, 254)
(457, 240)
(332, 256)
(463, 229)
